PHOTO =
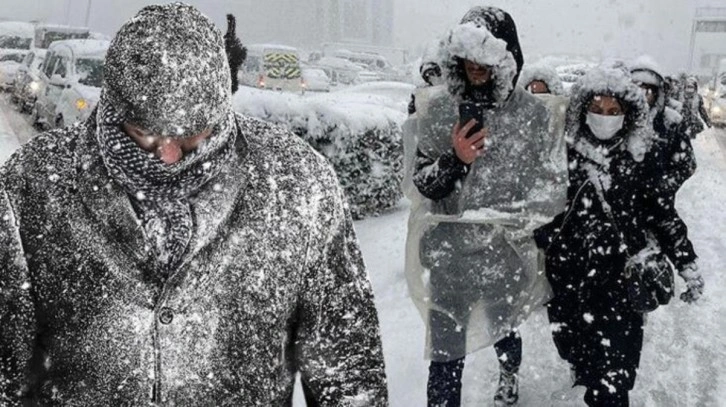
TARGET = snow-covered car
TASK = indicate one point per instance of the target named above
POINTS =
(315, 80)
(72, 76)
(273, 67)
(339, 70)
(47, 34)
(365, 76)
(27, 81)
(10, 62)
(16, 35)
(718, 110)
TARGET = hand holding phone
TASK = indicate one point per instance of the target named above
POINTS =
(467, 140)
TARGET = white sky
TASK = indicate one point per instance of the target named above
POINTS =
(611, 28)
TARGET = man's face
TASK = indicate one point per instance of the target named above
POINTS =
(477, 74)
(167, 149)
(536, 87)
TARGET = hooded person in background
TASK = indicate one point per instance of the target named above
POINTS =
(694, 111)
(236, 52)
(613, 222)
(472, 265)
(430, 72)
(541, 79)
(170, 252)
(672, 162)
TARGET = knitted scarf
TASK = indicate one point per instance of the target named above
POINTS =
(159, 192)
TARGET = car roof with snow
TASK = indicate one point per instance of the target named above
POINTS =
(335, 62)
(17, 28)
(83, 48)
(276, 47)
(62, 28)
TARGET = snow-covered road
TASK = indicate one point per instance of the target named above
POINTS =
(684, 357)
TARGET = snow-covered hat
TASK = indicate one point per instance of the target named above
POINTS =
(544, 73)
(166, 71)
(611, 80)
(487, 36)
(646, 70)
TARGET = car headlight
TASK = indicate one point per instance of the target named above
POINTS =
(34, 86)
(81, 104)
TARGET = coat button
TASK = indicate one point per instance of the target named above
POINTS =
(166, 315)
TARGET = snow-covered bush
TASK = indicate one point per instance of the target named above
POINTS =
(359, 133)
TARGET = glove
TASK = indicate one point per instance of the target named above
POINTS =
(694, 282)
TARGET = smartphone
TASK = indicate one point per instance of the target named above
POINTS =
(469, 111)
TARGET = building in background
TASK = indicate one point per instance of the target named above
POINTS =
(708, 41)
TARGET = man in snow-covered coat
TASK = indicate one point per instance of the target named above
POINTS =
(671, 159)
(170, 252)
(472, 266)
(613, 218)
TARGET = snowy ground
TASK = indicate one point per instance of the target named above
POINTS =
(684, 357)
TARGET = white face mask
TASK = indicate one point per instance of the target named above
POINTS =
(604, 127)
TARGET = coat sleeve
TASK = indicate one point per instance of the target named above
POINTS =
(338, 346)
(702, 111)
(17, 316)
(436, 177)
(681, 162)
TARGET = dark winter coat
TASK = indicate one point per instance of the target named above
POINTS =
(273, 283)
(587, 246)
(671, 161)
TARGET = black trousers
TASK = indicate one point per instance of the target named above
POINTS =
(444, 386)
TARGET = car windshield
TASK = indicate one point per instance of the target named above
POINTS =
(14, 42)
(90, 72)
(12, 57)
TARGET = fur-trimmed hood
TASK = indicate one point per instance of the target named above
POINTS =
(612, 80)
(487, 36)
(544, 73)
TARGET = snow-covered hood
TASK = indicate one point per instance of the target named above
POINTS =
(615, 81)
(645, 70)
(544, 73)
(487, 36)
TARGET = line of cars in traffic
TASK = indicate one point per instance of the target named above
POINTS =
(55, 72)
(280, 67)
